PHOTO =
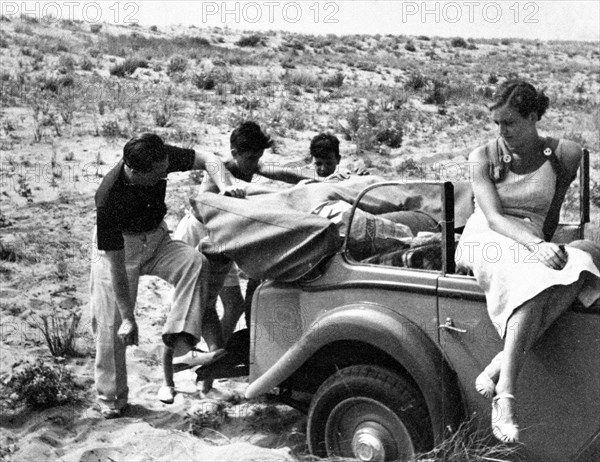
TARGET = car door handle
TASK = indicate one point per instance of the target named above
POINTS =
(450, 326)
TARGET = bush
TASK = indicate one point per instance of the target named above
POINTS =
(66, 63)
(211, 416)
(86, 64)
(177, 64)
(390, 136)
(438, 94)
(111, 129)
(40, 385)
(163, 116)
(468, 444)
(595, 194)
(95, 28)
(335, 81)
(128, 67)
(459, 42)
(250, 41)
(416, 81)
(410, 46)
(204, 81)
(58, 326)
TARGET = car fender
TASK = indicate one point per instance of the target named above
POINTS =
(384, 329)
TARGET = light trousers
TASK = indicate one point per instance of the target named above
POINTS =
(150, 253)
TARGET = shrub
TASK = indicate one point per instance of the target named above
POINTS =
(58, 326)
(95, 28)
(164, 114)
(416, 81)
(459, 42)
(437, 94)
(468, 444)
(40, 385)
(335, 81)
(66, 63)
(111, 129)
(390, 136)
(211, 415)
(251, 41)
(595, 194)
(177, 64)
(204, 81)
(87, 64)
(62, 47)
(128, 67)
(410, 46)
(154, 28)
(301, 78)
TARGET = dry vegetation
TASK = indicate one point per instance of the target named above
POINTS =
(72, 93)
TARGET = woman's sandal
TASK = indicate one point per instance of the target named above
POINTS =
(166, 394)
(485, 386)
(505, 432)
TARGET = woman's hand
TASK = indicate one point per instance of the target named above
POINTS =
(552, 255)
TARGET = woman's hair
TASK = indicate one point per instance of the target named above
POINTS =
(522, 96)
(142, 151)
(324, 143)
(249, 137)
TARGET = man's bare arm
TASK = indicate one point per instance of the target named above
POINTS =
(128, 331)
(286, 174)
(218, 173)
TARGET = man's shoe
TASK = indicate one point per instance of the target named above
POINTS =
(166, 394)
(111, 413)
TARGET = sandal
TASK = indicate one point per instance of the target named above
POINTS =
(505, 432)
(485, 386)
(166, 394)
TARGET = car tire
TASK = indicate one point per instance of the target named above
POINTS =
(369, 413)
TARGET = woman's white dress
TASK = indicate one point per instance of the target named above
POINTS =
(507, 271)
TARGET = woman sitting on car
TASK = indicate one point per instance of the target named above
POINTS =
(519, 185)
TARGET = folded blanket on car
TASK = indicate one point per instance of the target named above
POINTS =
(267, 241)
(278, 236)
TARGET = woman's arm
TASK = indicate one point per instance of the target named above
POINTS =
(487, 197)
(491, 206)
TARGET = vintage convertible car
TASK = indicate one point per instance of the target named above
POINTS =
(383, 351)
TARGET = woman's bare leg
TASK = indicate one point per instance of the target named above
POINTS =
(524, 328)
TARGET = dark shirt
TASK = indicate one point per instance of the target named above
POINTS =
(127, 208)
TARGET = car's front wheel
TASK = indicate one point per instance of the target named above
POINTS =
(369, 413)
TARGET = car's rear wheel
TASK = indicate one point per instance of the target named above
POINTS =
(369, 413)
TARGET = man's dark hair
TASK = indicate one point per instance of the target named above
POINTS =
(324, 143)
(249, 137)
(142, 151)
(522, 96)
